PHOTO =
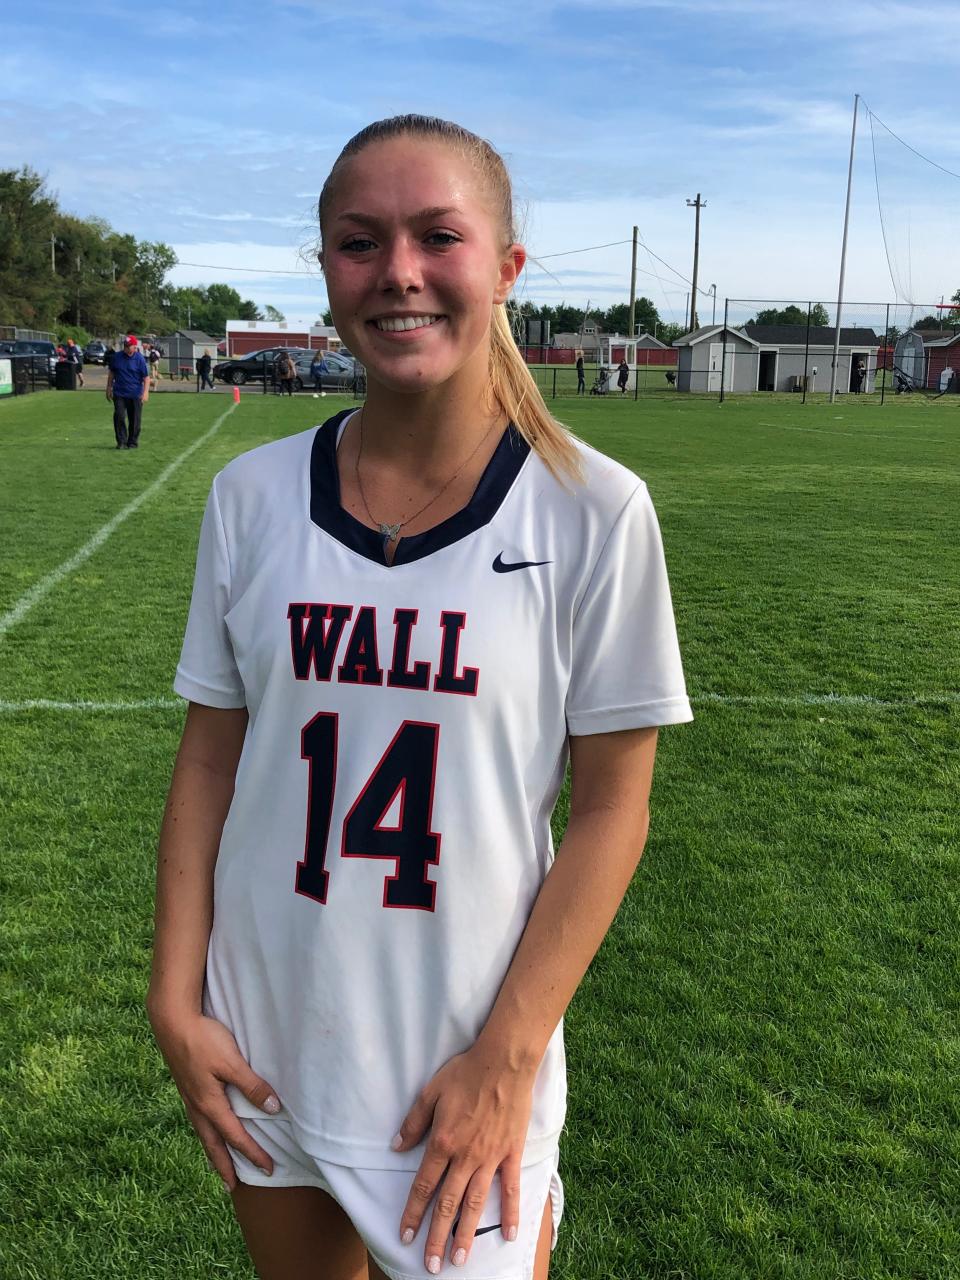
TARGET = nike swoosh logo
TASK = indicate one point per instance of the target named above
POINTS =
(480, 1231)
(500, 567)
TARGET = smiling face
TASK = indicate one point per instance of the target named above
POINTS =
(414, 259)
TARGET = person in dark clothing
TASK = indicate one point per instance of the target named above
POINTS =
(128, 383)
(581, 381)
(74, 356)
(203, 372)
(859, 373)
(623, 375)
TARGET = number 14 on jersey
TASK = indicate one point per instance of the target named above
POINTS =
(407, 768)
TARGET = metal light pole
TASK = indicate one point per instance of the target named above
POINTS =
(633, 289)
(843, 256)
(713, 290)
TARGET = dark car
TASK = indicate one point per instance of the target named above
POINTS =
(250, 368)
(34, 347)
(94, 352)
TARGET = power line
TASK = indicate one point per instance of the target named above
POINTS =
(264, 271)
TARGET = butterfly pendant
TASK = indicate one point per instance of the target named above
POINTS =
(390, 532)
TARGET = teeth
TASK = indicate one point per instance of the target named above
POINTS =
(401, 323)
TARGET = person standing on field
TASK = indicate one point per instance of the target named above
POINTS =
(128, 382)
(74, 356)
(153, 359)
(581, 380)
(284, 372)
(405, 622)
(623, 375)
(203, 372)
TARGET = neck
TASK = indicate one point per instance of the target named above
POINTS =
(426, 429)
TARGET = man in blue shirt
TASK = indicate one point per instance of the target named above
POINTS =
(128, 388)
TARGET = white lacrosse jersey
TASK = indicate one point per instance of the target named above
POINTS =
(407, 739)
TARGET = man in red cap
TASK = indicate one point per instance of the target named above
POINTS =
(128, 382)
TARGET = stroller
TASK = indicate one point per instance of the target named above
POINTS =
(602, 384)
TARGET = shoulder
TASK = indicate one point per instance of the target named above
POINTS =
(268, 469)
(599, 497)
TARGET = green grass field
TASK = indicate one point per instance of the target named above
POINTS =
(763, 1058)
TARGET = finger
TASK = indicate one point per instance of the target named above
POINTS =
(427, 1179)
(471, 1207)
(252, 1086)
(416, 1122)
(445, 1211)
(510, 1196)
(215, 1149)
(229, 1129)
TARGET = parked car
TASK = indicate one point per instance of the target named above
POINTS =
(34, 347)
(94, 352)
(342, 371)
(249, 368)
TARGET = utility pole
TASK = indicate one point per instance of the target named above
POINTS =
(697, 204)
(53, 255)
(78, 290)
(713, 290)
(843, 257)
(631, 332)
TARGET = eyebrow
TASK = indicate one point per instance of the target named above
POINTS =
(423, 215)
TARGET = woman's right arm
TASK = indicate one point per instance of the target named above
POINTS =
(201, 1052)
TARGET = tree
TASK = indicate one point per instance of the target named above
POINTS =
(326, 317)
(819, 316)
(271, 313)
(30, 293)
(616, 319)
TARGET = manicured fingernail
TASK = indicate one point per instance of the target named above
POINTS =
(272, 1105)
(433, 1265)
(512, 1233)
(407, 1235)
(460, 1257)
(396, 1142)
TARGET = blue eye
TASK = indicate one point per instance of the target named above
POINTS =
(359, 245)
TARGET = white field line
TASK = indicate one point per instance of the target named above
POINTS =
(729, 700)
(46, 585)
(877, 435)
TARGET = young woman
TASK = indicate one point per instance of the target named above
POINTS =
(404, 623)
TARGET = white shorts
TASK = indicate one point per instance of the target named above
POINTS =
(374, 1200)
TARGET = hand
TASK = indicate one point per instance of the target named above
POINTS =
(143, 398)
(478, 1110)
(109, 393)
(203, 1056)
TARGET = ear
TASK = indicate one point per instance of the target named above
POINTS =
(511, 265)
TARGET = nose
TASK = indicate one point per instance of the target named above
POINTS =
(401, 268)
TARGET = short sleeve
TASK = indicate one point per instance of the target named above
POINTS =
(207, 671)
(626, 671)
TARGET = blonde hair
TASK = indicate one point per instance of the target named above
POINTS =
(512, 384)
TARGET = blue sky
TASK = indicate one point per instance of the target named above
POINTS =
(214, 134)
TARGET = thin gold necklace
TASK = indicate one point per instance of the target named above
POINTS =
(391, 532)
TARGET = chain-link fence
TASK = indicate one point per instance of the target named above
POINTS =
(22, 374)
(261, 372)
(795, 347)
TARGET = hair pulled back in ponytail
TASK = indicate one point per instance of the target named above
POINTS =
(512, 383)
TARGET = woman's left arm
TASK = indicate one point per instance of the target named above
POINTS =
(478, 1104)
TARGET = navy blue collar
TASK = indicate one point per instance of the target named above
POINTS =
(327, 513)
